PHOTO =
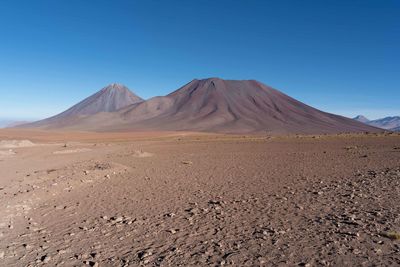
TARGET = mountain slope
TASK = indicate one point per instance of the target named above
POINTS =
(109, 99)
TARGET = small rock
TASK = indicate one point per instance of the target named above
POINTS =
(95, 255)
(2, 254)
(27, 246)
(214, 202)
(45, 259)
(117, 219)
(61, 251)
(83, 256)
(144, 254)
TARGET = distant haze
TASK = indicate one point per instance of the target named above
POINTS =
(12, 123)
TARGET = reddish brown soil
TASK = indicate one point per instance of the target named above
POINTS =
(196, 200)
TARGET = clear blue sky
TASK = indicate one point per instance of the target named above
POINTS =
(339, 56)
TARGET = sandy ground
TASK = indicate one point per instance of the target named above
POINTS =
(173, 199)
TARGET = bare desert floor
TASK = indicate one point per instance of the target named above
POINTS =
(187, 199)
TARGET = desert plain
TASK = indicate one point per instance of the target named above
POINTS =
(198, 199)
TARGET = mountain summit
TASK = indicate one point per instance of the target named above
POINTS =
(361, 118)
(209, 105)
(108, 99)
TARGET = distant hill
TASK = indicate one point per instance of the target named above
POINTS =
(11, 123)
(387, 123)
(210, 105)
(4, 123)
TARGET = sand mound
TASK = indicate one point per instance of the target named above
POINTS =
(15, 143)
(70, 151)
(6, 153)
(142, 154)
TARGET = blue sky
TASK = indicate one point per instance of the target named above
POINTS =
(339, 56)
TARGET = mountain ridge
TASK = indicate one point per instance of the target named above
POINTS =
(217, 105)
(391, 123)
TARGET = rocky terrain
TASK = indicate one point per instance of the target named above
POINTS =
(199, 200)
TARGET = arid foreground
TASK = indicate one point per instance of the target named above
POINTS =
(198, 200)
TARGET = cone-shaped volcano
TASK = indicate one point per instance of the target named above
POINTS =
(109, 99)
(218, 105)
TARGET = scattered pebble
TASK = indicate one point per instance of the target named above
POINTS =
(45, 258)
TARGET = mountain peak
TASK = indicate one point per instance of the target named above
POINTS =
(213, 79)
(361, 118)
(207, 79)
(116, 86)
(109, 99)
(217, 79)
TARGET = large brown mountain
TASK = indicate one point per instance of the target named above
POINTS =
(216, 105)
